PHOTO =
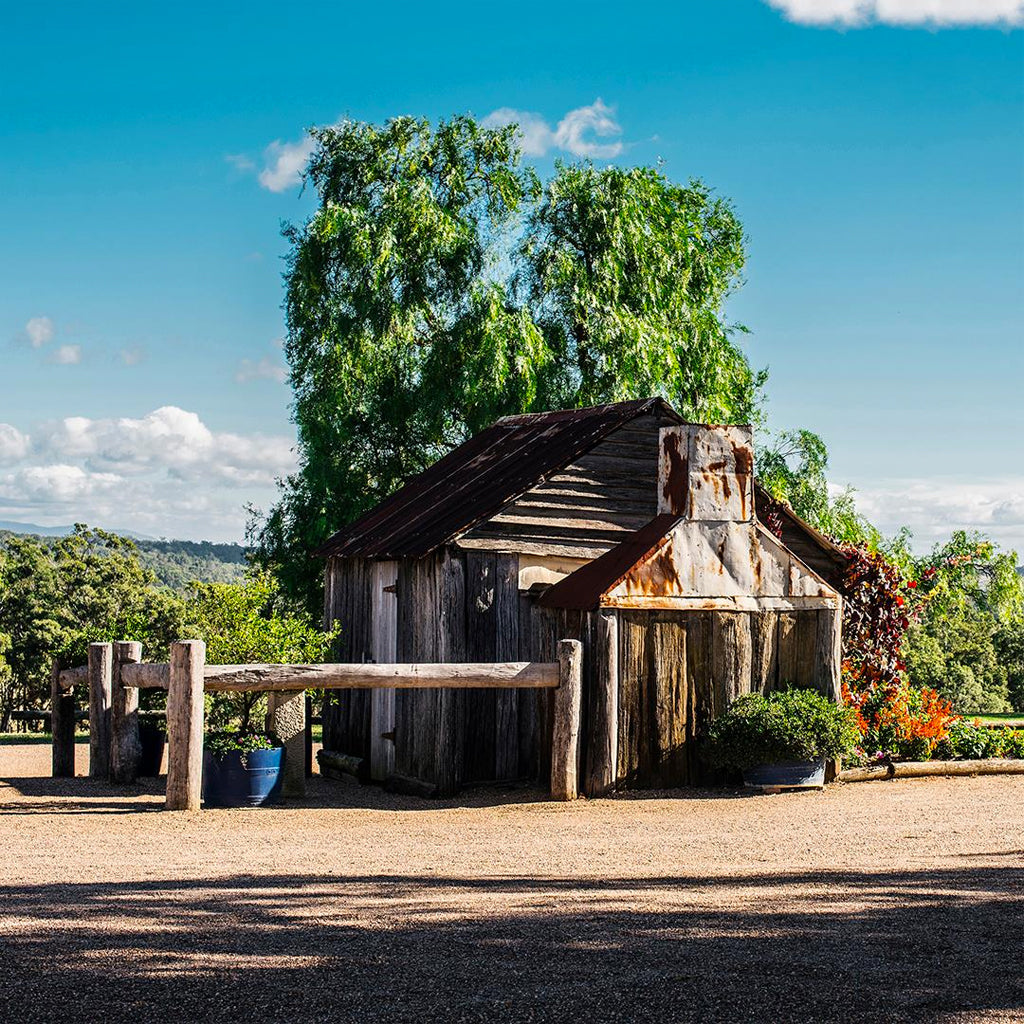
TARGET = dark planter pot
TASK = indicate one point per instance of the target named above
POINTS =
(786, 775)
(243, 780)
(151, 740)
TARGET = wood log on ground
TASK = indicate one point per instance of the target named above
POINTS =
(125, 745)
(924, 769)
(101, 670)
(62, 724)
(410, 787)
(185, 726)
(333, 763)
(567, 713)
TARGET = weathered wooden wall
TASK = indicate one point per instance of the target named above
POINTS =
(652, 680)
(348, 600)
(588, 507)
(680, 670)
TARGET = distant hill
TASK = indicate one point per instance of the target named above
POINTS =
(35, 530)
(175, 563)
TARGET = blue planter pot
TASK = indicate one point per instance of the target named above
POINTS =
(235, 779)
(786, 775)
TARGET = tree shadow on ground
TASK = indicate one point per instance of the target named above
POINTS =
(929, 945)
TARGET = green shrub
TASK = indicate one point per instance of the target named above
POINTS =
(788, 725)
(972, 741)
(218, 743)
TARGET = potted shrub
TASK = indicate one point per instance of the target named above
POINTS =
(782, 740)
(242, 769)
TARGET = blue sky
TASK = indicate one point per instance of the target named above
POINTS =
(874, 150)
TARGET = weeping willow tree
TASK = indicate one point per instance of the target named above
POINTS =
(439, 285)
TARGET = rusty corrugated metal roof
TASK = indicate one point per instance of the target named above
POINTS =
(582, 589)
(479, 478)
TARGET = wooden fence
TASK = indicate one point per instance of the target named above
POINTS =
(115, 674)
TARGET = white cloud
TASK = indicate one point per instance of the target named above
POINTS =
(284, 163)
(39, 331)
(164, 474)
(535, 134)
(132, 356)
(67, 355)
(934, 508)
(13, 443)
(240, 161)
(932, 13)
(577, 133)
(263, 369)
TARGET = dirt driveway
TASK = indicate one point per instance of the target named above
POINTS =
(899, 901)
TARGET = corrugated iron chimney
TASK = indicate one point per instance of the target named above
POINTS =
(707, 472)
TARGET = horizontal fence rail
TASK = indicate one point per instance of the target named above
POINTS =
(187, 676)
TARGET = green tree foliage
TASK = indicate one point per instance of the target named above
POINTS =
(245, 623)
(966, 640)
(59, 595)
(792, 467)
(437, 287)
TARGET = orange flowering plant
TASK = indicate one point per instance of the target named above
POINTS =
(896, 720)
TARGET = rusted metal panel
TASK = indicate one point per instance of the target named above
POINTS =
(707, 472)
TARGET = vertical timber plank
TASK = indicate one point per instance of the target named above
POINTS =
(732, 655)
(670, 764)
(786, 644)
(62, 727)
(185, 726)
(384, 649)
(828, 653)
(602, 702)
(449, 590)
(101, 669)
(632, 668)
(765, 627)
(567, 708)
(506, 700)
(125, 745)
(806, 649)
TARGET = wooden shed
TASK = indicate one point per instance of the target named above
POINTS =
(618, 525)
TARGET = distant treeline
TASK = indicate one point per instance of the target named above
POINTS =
(177, 563)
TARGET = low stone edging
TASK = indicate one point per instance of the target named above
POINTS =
(921, 769)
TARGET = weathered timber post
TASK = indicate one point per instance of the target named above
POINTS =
(603, 676)
(62, 727)
(101, 666)
(185, 726)
(308, 753)
(125, 746)
(286, 718)
(566, 725)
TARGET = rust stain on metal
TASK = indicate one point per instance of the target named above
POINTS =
(676, 483)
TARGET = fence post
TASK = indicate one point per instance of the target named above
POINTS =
(62, 727)
(566, 730)
(101, 666)
(286, 718)
(185, 725)
(125, 746)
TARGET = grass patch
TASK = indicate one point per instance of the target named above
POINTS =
(8, 739)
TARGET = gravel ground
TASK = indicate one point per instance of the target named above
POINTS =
(892, 901)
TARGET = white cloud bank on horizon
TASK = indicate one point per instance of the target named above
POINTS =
(934, 508)
(164, 474)
(577, 133)
(907, 13)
